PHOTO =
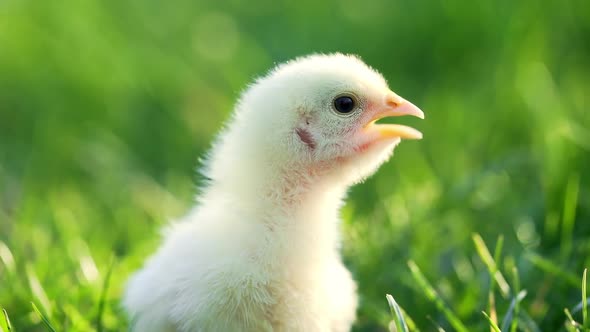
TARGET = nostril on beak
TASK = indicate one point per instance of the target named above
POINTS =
(394, 103)
(393, 100)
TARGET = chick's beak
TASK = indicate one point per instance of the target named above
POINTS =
(395, 105)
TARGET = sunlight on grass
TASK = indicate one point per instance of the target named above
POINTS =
(398, 316)
(5, 322)
(584, 300)
(43, 318)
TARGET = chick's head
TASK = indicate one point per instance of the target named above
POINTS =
(317, 114)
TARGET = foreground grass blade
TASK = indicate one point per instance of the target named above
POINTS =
(493, 324)
(6, 320)
(509, 321)
(45, 320)
(397, 314)
(492, 290)
(432, 295)
(570, 320)
(584, 300)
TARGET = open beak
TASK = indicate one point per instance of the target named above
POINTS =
(395, 106)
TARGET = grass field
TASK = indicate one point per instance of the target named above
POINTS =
(107, 106)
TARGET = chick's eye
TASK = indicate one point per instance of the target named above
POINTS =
(344, 104)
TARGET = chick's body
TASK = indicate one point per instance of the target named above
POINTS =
(260, 251)
(214, 274)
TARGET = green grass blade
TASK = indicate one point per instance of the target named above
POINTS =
(6, 320)
(493, 324)
(498, 249)
(509, 322)
(43, 318)
(515, 280)
(552, 268)
(488, 260)
(433, 296)
(37, 289)
(580, 306)
(571, 320)
(569, 214)
(516, 308)
(584, 300)
(397, 314)
(7, 258)
(491, 293)
(103, 296)
(492, 307)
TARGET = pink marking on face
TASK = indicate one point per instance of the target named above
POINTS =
(306, 137)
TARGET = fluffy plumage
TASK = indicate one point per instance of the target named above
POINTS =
(260, 250)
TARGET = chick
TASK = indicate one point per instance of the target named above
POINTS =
(260, 251)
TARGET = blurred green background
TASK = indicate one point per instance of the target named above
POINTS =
(107, 106)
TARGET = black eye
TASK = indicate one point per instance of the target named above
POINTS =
(344, 104)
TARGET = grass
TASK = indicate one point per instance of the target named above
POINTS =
(43, 318)
(432, 295)
(107, 106)
(398, 316)
(514, 319)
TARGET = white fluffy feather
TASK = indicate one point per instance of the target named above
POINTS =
(260, 250)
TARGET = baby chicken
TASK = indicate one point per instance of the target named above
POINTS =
(260, 250)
